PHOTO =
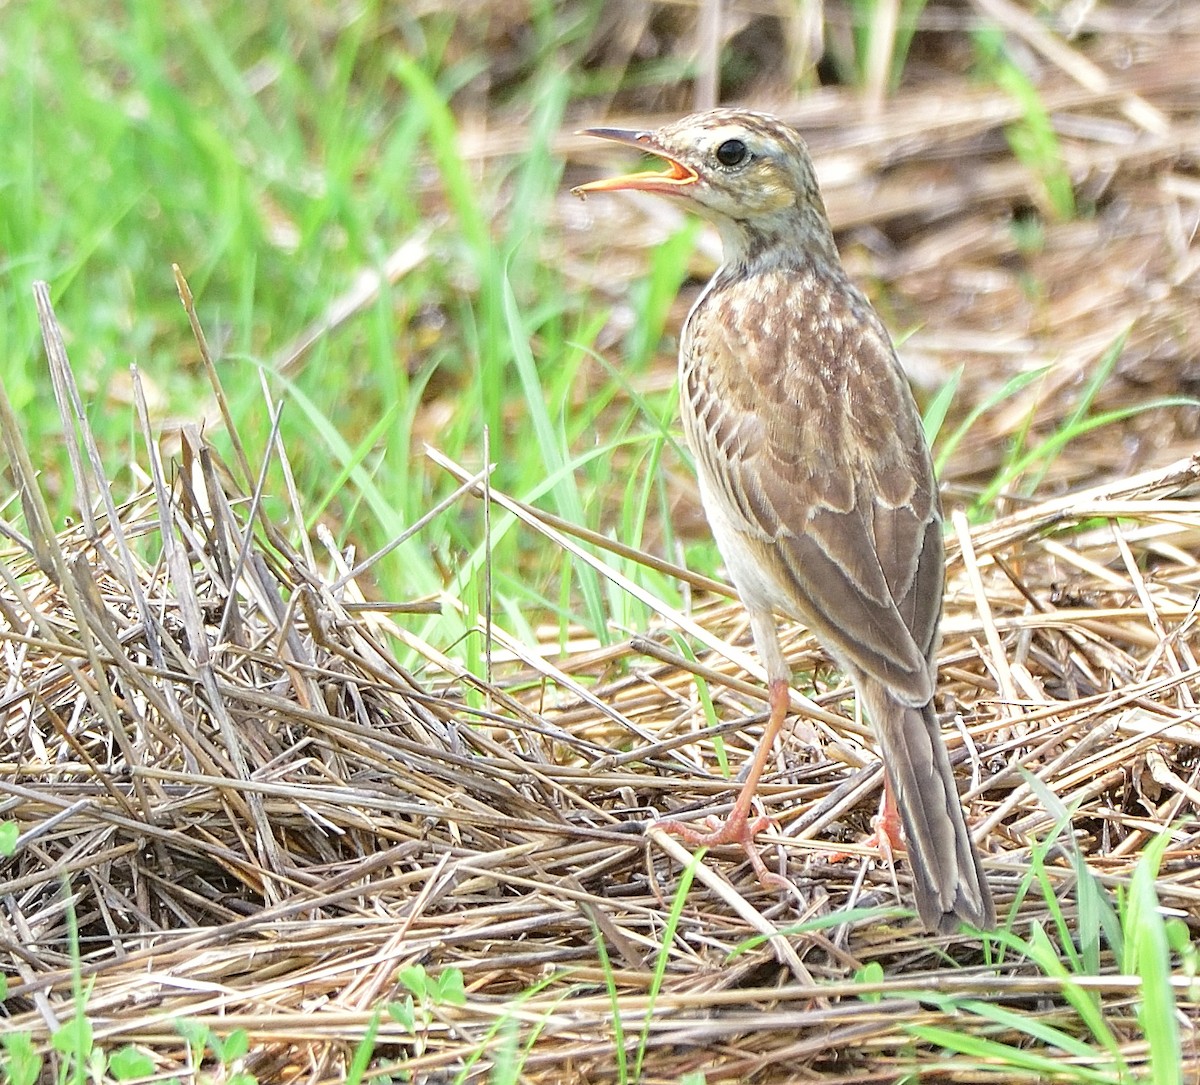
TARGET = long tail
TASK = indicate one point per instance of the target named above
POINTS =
(947, 879)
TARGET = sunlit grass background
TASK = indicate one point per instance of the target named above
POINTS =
(278, 152)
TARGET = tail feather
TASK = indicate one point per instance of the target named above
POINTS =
(948, 881)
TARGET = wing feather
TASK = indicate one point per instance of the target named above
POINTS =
(808, 438)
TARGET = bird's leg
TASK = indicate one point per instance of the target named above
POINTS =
(886, 828)
(738, 828)
(888, 831)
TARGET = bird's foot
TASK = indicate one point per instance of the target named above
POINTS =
(887, 834)
(739, 829)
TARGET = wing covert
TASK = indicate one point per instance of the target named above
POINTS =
(828, 482)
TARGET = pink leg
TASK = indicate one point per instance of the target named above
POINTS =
(888, 834)
(886, 828)
(738, 828)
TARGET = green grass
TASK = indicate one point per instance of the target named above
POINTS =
(868, 24)
(274, 162)
(1081, 1045)
(667, 937)
(1031, 137)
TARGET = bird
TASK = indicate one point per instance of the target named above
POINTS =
(814, 473)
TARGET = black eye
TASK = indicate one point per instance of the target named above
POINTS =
(733, 152)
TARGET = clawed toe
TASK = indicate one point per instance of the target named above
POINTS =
(740, 830)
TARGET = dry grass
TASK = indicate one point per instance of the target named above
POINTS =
(256, 817)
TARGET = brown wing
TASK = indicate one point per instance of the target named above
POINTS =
(806, 432)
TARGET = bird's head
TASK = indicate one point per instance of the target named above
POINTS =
(748, 172)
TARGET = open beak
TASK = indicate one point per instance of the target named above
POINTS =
(674, 177)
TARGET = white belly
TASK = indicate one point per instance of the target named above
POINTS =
(756, 585)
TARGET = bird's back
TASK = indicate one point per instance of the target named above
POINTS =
(814, 466)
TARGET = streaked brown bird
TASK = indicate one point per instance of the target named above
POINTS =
(814, 472)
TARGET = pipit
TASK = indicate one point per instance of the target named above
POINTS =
(814, 472)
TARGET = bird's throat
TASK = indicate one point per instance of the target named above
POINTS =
(763, 243)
